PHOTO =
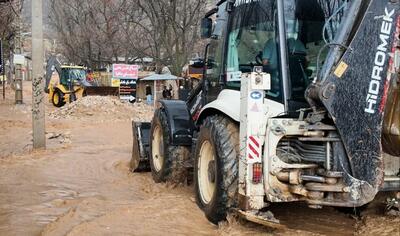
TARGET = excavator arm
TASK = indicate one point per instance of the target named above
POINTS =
(354, 88)
(52, 65)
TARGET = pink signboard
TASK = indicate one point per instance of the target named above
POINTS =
(123, 71)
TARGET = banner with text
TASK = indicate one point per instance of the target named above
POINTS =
(128, 76)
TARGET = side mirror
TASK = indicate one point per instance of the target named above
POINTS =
(206, 28)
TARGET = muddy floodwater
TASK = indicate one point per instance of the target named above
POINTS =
(81, 185)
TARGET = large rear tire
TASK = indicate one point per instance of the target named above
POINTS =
(167, 162)
(216, 167)
(58, 98)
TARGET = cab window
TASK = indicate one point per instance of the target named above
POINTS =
(252, 41)
(310, 24)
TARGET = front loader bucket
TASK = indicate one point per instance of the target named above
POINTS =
(140, 148)
(102, 91)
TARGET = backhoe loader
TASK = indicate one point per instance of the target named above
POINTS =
(299, 102)
(71, 83)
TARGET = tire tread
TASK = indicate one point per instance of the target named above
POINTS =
(225, 134)
(173, 170)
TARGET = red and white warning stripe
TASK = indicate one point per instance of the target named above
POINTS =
(254, 148)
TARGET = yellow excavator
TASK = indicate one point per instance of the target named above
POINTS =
(71, 83)
(68, 86)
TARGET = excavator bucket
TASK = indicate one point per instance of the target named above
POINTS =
(140, 148)
(102, 91)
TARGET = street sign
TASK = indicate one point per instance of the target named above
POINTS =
(19, 59)
(128, 76)
(127, 89)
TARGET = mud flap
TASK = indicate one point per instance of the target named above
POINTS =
(140, 149)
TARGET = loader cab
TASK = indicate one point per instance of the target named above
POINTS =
(66, 77)
(71, 75)
(247, 34)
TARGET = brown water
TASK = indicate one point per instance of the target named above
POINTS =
(76, 186)
(82, 186)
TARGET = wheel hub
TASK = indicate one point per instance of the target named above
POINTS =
(206, 174)
(158, 149)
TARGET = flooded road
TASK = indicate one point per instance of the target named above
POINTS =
(76, 184)
(81, 185)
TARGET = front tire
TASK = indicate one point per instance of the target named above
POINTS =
(216, 167)
(167, 162)
(58, 98)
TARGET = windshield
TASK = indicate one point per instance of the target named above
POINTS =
(252, 25)
(252, 39)
(77, 74)
(70, 75)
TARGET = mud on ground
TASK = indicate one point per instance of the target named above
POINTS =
(81, 184)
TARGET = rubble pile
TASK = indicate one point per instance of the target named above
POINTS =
(142, 112)
(106, 107)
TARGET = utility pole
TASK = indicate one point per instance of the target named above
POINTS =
(18, 65)
(38, 83)
(3, 69)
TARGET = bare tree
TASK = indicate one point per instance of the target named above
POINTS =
(9, 12)
(171, 29)
(71, 20)
(96, 31)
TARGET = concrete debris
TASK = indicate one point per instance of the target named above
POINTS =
(109, 108)
(62, 138)
(52, 135)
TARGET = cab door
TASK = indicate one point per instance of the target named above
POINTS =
(216, 55)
